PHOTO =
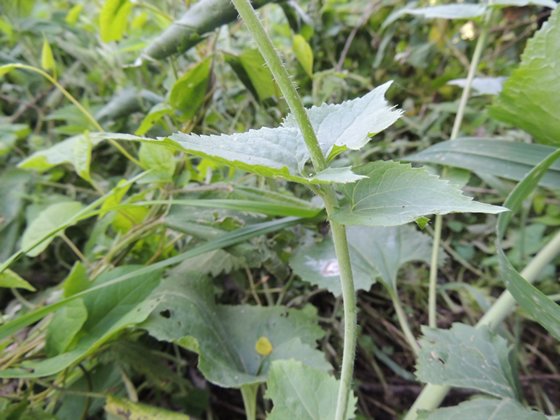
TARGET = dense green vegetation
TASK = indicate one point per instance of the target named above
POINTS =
(318, 210)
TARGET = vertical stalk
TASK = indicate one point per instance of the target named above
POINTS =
(249, 394)
(295, 104)
(432, 395)
(403, 322)
(477, 54)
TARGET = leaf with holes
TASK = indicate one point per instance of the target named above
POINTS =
(225, 336)
(466, 357)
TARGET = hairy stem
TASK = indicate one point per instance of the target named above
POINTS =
(477, 54)
(318, 160)
(432, 395)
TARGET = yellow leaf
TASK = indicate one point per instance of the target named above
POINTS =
(304, 54)
(47, 58)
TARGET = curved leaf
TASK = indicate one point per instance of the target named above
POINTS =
(303, 393)
(529, 99)
(225, 336)
(396, 194)
(484, 408)
(499, 157)
(466, 357)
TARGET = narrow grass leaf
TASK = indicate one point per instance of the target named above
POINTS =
(540, 307)
(499, 157)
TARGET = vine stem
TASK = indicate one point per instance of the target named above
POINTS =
(477, 54)
(77, 104)
(319, 162)
(432, 395)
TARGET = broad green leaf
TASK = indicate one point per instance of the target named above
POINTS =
(282, 152)
(65, 325)
(303, 393)
(48, 220)
(375, 252)
(222, 241)
(304, 54)
(120, 408)
(503, 158)
(539, 306)
(160, 160)
(76, 281)
(225, 336)
(396, 194)
(11, 279)
(154, 116)
(529, 99)
(189, 91)
(338, 175)
(110, 310)
(113, 19)
(466, 357)
(253, 72)
(47, 57)
(484, 408)
(75, 151)
(351, 123)
(13, 185)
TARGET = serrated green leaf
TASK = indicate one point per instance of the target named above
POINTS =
(47, 57)
(529, 99)
(75, 151)
(539, 306)
(109, 309)
(484, 408)
(282, 152)
(188, 92)
(113, 19)
(374, 253)
(350, 124)
(396, 194)
(11, 279)
(225, 336)
(48, 220)
(303, 393)
(499, 157)
(466, 357)
(128, 410)
(304, 53)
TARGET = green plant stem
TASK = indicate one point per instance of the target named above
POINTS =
(78, 105)
(249, 394)
(432, 395)
(477, 54)
(403, 322)
(432, 296)
(319, 162)
(282, 78)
